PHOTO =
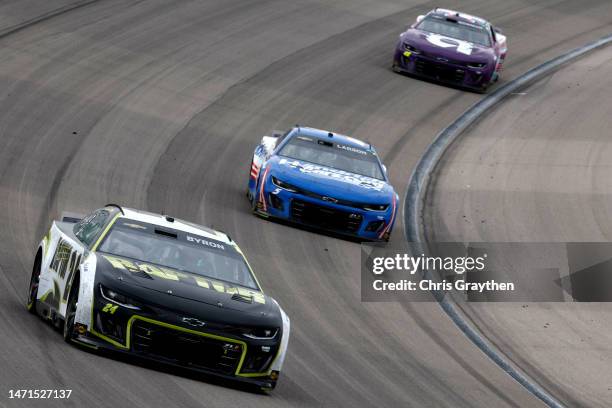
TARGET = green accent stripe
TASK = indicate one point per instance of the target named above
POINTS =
(267, 373)
(127, 346)
(44, 297)
(45, 246)
(108, 227)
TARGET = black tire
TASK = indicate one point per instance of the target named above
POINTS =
(248, 190)
(71, 307)
(252, 201)
(483, 90)
(265, 390)
(34, 281)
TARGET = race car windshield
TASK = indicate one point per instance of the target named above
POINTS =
(178, 250)
(455, 29)
(334, 155)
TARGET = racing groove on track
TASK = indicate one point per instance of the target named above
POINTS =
(159, 104)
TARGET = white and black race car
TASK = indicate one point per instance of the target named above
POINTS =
(161, 289)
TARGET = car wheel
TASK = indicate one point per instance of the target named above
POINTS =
(483, 90)
(249, 195)
(33, 288)
(266, 390)
(253, 201)
(71, 309)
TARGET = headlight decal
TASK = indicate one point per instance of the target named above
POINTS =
(283, 185)
(375, 207)
(117, 298)
(261, 334)
(411, 48)
(477, 65)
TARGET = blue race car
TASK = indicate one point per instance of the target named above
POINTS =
(324, 180)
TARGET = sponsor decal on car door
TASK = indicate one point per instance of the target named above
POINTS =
(64, 264)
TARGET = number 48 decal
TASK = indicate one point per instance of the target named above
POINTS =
(463, 47)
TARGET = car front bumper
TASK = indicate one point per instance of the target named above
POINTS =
(156, 335)
(441, 70)
(326, 215)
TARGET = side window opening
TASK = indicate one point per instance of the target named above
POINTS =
(89, 228)
(282, 138)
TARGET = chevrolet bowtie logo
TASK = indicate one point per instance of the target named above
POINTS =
(330, 199)
(193, 322)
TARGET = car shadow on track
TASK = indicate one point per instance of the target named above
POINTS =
(177, 371)
(310, 229)
(444, 84)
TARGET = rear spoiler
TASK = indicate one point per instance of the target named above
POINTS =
(71, 217)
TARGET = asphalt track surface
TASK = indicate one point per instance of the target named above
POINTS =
(158, 105)
(537, 169)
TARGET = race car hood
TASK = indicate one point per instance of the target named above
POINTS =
(169, 288)
(331, 182)
(447, 47)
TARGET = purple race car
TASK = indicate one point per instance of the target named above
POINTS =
(453, 48)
